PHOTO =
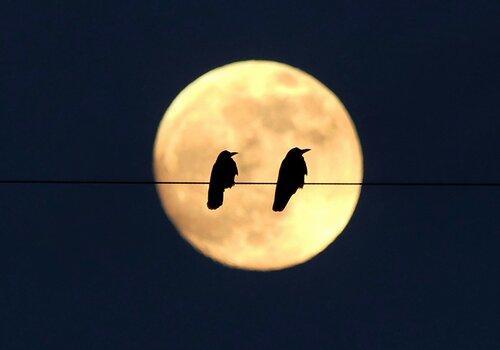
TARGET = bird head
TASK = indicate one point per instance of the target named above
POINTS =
(297, 151)
(227, 154)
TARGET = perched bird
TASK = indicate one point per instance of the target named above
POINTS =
(290, 177)
(222, 177)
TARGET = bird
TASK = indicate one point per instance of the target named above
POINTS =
(290, 177)
(222, 177)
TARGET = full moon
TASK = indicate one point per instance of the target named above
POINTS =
(260, 109)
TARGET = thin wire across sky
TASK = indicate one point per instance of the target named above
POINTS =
(257, 183)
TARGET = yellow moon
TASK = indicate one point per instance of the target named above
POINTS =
(260, 109)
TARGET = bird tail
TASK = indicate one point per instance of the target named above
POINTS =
(280, 203)
(215, 197)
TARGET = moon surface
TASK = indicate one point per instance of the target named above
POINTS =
(260, 109)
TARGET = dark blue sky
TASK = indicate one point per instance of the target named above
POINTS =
(83, 88)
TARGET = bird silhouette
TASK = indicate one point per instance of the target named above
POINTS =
(222, 177)
(291, 177)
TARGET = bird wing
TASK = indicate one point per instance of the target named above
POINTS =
(304, 167)
(234, 168)
(285, 187)
(215, 190)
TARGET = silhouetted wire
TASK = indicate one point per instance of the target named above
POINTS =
(127, 182)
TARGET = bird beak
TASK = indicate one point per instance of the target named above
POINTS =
(233, 153)
(305, 150)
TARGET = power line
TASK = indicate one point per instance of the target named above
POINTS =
(134, 182)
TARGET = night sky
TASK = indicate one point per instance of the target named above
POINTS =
(83, 88)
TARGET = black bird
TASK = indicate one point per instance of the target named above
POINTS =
(291, 177)
(222, 177)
